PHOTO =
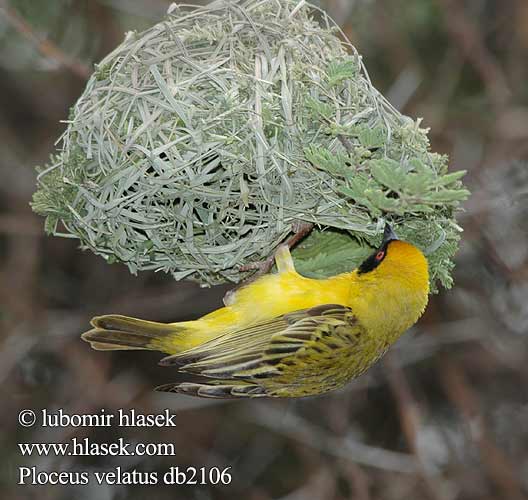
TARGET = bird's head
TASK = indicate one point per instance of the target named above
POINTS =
(397, 261)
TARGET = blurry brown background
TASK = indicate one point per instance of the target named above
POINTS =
(444, 418)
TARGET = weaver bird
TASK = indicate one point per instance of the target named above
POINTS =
(285, 335)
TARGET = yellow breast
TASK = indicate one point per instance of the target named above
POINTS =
(387, 301)
(392, 297)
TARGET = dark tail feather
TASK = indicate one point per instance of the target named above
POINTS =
(113, 332)
(100, 346)
(216, 389)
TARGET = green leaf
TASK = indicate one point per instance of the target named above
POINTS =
(357, 186)
(338, 71)
(333, 163)
(327, 253)
(449, 195)
(420, 208)
(389, 173)
(447, 179)
(417, 184)
(372, 137)
(50, 224)
(320, 108)
(381, 201)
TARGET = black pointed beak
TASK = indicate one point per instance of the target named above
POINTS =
(388, 234)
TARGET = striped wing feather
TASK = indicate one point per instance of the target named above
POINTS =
(293, 349)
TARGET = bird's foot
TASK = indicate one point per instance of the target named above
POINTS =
(283, 259)
(262, 266)
(300, 230)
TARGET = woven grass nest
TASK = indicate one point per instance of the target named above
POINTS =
(200, 142)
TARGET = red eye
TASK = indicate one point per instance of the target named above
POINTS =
(380, 255)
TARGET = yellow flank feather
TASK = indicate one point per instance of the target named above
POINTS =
(285, 335)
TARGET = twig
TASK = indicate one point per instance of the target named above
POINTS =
(410, 421)
(322, 484)
(359, 480)
(346, 143)
(295, 427)
(46, 47)
(20, 225)
(300, 230)
(467, 37)
(499, 468)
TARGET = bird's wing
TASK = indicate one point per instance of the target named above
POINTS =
(295, 345)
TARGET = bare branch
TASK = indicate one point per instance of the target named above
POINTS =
(46, 47)
(467, 37)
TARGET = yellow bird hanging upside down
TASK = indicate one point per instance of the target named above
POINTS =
(284, 335)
